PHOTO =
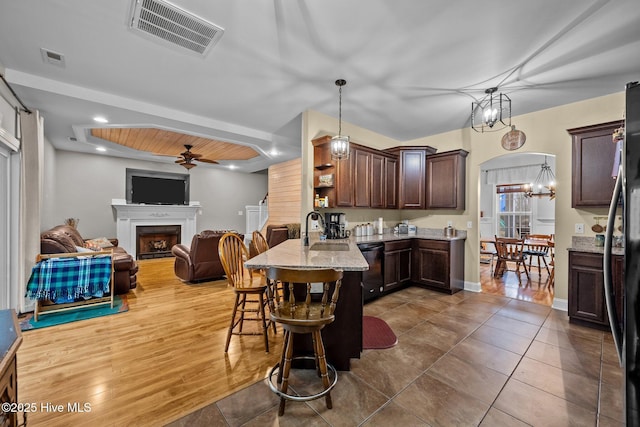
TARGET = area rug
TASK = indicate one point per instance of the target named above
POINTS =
(120, 305)
(376, 334)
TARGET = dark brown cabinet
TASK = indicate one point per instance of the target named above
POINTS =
(390, 179)
(412, 176)
(397, 264)
(378, 187)
(332, 178)
(362, 178)
(445, 180)
(592, 164)
(438, 264)
(586, 288)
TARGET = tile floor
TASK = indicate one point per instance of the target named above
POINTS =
(467, 359)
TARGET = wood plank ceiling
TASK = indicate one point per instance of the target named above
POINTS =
(168, 143)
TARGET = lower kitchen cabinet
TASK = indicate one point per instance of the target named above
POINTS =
(586, 288)
(438, 264)
(397, 264)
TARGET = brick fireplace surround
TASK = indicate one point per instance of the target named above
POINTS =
(130, 216)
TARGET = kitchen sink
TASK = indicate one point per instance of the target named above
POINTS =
(330, 246)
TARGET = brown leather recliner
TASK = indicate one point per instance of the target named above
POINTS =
(66, 239)
(201, 261)
(277, 234)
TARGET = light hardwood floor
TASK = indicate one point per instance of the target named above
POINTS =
(162, 359)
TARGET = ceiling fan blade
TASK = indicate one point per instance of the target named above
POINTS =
(180, 161)
(207, 161)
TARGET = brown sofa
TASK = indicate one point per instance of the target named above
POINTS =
(200, 261)
(277, 234)
(66, 239)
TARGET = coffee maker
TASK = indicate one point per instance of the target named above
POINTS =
(336, 225)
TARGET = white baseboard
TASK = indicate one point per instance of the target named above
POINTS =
(472, 286)
(560, 304)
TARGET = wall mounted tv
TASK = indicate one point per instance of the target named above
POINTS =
(157, 188)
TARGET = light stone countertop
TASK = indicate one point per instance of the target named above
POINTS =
(292, 254)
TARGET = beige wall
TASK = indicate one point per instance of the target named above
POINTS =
(546, 132)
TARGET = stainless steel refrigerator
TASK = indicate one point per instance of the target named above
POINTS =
(627, 195)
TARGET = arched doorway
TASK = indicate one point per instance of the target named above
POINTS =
(507, 211)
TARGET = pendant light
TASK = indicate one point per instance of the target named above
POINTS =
(545, 183)
(340, 143)
(490, 111)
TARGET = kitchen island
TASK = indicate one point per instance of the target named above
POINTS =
(342, 338)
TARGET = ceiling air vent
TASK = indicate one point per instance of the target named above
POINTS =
(174, 25)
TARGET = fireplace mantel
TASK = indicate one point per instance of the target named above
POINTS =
(129, 216)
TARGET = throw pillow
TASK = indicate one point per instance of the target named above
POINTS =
(100, 243)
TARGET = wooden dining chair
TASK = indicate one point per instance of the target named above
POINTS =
(298, 310)
(488, 249)
(552, 276)
(537, 250)
(510, 250)
(249, 288)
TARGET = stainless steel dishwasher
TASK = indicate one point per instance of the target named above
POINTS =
(372, 279)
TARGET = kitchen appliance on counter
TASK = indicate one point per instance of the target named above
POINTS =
(336, 225)
(625, 333)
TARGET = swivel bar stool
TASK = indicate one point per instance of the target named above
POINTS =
(293, 305)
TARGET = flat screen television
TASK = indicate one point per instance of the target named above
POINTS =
(157, 188)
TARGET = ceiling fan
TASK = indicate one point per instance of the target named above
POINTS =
(188, 157)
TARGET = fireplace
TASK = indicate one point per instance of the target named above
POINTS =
(155, 241)
(131, 216)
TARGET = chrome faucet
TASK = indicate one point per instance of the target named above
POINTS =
(315, 215)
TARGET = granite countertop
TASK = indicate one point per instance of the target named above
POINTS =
(292, 254)
(588, 244)
(424, 233)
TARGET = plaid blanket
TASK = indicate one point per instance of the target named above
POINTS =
(67, 279)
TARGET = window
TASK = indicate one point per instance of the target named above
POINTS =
(514, 211)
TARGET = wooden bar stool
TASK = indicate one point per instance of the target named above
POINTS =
(250, 289)
(259, 243)
(299, 311)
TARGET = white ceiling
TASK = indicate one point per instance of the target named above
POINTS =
(412, 67)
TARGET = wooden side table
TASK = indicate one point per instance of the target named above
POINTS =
(10, 340)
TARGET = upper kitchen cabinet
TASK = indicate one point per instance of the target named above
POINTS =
(593, 153)
(446, 180)
(361, 178)
(390, 178)
(375, 178)
(412, 175)
(332, 178)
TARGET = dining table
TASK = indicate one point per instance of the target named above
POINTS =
(528, 243)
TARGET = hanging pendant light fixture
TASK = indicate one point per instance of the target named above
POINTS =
(545, 183)
(340, 143)
(490, 111)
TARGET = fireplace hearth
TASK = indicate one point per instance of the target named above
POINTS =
(155, 241)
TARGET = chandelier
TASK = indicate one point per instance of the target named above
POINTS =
(340, 143)
(545, 183)
(489, 111)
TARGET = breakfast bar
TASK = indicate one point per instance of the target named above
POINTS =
(343, 337)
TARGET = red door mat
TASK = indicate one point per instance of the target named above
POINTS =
(376, 334)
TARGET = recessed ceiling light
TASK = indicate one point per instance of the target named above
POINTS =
(102, 149)
(274, 152)
(232, 166)
(100, 119)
